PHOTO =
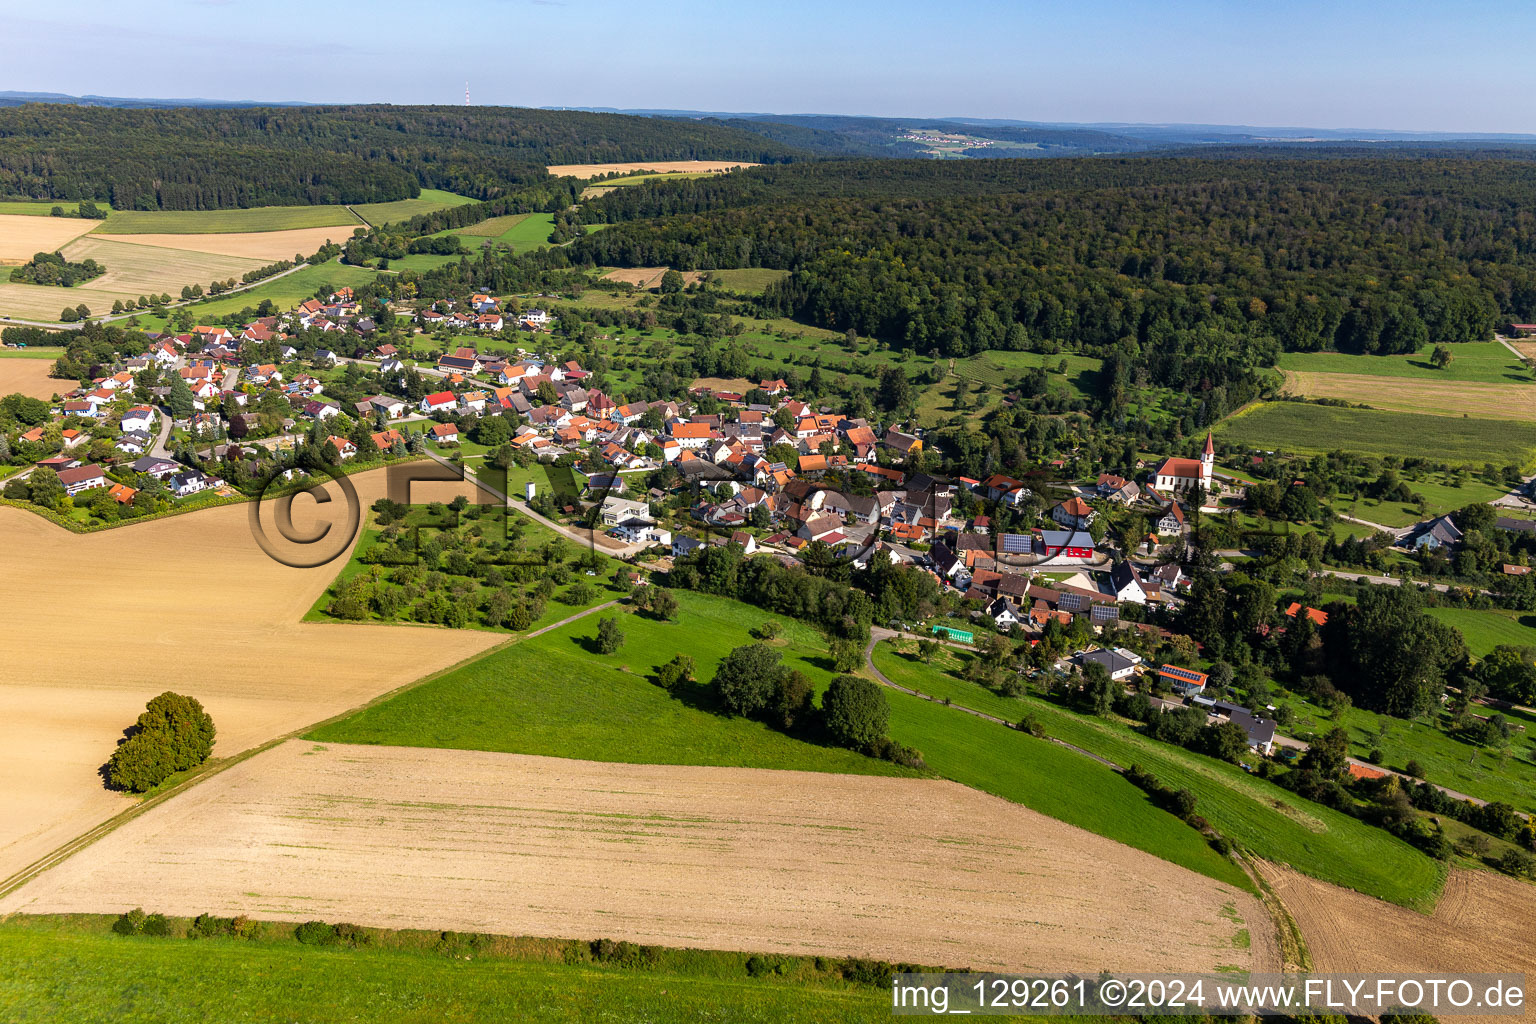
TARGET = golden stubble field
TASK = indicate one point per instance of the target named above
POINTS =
(1482, 924)
(1443, 398)
(132, 270)
(22, 237)
(98, 624)
(773, 861)
(268, 246)
(30, 378)
(658, 166)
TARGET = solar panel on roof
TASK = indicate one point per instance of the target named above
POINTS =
(1018, 543)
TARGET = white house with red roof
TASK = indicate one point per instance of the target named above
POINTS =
(1174, 474)
(439, 401)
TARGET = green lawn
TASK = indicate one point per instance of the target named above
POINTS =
(1312, 429)
(63, 970)
(551, 695)
(1486, 361)
(43, 207)
(214, 222)
(430, 201)
(1268, 820)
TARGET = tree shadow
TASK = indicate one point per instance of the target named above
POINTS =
(587, 644)
(102, 771)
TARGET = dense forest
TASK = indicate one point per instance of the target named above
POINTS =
(202, 159)
(1242, 256)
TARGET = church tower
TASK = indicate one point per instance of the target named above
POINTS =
(1207, 461)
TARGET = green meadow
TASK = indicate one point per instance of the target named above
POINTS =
(1316, 429)
(1483, 361)
(289, 290)
(1439, 498)
(1264, 818)
(430, 201)
(74, 969)
(1483, 630)
(749, 282)
(43, 207)
(554, 695)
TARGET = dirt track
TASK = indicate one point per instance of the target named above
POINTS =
(98, 624)
(30, 377)
(715, 857)
(1483, 923)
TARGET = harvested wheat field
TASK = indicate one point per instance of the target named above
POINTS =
(740, 385)
(22, 237)
(1401, 394)
(1483, 923)
(649, 277)
(655, 166)
(97, 624)
(269, 246)
(733, 858)
(142, 268)
(30, 378)
(1525, 347)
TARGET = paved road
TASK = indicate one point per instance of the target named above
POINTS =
(139, 312)
(159, 449)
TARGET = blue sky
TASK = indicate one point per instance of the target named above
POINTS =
(1342, 64)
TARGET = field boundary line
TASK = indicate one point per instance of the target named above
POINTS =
(207, 771)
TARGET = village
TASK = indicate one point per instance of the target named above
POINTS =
(189, 421)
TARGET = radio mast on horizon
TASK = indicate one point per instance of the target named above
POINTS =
(466, 94)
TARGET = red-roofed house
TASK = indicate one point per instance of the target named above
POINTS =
(439, 401)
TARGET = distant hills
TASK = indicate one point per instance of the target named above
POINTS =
(955, 137)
